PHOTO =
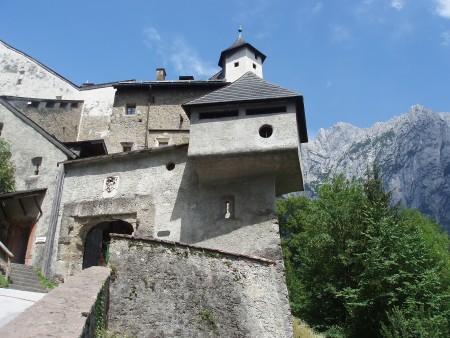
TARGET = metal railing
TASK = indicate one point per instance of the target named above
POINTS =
(9, 255)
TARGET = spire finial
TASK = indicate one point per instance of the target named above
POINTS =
(240, 31)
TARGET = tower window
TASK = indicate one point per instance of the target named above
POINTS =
(236, 64)
(254, 66)
(74, 105)
(228, 207)
(50, 104)
(265, 131)
(131, 109)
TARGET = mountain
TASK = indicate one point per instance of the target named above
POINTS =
(412, 151)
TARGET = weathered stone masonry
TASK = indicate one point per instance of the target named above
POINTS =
(164, 289)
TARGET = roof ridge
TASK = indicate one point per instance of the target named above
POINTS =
(40, 64)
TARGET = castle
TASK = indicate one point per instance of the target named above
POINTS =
(194, 162)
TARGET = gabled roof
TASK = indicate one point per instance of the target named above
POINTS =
(36, 127)
(39, 63)
(238, 44)
(250, 88)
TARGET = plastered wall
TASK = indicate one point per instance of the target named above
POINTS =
(20, 75)
(26, 143)
(167, 204)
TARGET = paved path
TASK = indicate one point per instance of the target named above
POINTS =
(13, 302)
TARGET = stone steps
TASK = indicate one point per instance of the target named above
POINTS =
(23, 277)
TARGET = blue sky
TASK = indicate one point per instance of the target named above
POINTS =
(359, 62)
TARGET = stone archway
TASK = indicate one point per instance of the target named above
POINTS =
(96, 245)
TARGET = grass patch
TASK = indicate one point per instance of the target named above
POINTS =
(47, 284)
(3, 281)
(302, 330)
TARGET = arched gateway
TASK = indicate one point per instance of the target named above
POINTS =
(96, 246)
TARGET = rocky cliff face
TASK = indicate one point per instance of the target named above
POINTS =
(412, 151)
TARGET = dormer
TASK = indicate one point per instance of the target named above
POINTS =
(240, 58)
(248, 128)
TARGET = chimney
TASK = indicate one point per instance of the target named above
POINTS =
(160, 74)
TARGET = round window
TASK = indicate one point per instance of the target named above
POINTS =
(265, 131)
(170, 166)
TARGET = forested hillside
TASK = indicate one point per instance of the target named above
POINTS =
(411, 150)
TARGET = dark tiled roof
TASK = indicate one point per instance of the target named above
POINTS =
(249, 87)
(239, 43)
(22, 193)
(170, 83)
(126, 154)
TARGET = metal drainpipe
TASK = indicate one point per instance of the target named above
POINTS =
(148, 115)
(53, 223)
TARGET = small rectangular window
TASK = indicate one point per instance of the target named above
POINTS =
(228, 207)
(131, 109)
(162, 141)
(127, 146)
(74, 105)
(236, 64)
(34, 104)
(63, 105)
(50, 104)
(268, 110)
(254, 66)
(19, 82)
(218, 115)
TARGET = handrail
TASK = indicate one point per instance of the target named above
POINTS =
(5, 249)
(8, 262)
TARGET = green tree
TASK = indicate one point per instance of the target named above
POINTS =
(7, 182)
(357, 267)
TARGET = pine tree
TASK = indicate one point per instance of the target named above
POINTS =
(357, 267)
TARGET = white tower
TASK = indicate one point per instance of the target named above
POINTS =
(240, 58)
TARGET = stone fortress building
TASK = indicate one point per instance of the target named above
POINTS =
(185, 171)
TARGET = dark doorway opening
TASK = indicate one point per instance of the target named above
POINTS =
(20, 240)
(96, 246)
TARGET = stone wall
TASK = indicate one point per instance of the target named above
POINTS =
(164, 289)
(67, 311)
(59, 118)
(167, 121)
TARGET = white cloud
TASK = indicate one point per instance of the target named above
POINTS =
(317, 8)
(151, 36)
(176, 53)
(445, 38)
(398, 4)
(340, 34)
(187, 61)
(443, 8)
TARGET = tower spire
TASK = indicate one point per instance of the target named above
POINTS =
(240, 31)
